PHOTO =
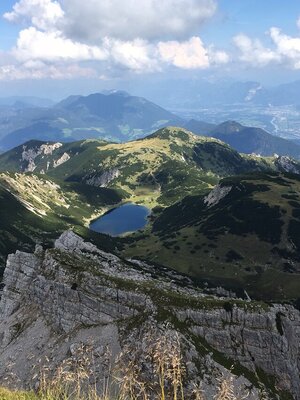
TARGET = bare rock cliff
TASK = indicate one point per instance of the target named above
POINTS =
(56, 298)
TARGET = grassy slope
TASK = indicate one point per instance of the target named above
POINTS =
(250, 240)
(247, 139)
(172, 168)
(158, 170)
(36, 209)
(22, 229)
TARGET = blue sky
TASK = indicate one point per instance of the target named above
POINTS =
(71, 45)
(8, 32)
(253, 17)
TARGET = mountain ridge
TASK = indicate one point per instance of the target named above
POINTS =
(75, 294)
(171, 172)
(118, 116)
(248, 139)
(167, 164)
(112, 116)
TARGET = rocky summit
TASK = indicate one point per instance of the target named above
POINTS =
(59, 298)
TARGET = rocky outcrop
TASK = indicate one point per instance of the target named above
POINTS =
(59, 297)
(103, 179)
(29, 154)
(64, 158)
(287, 164)
(261, 340)
(216, 195)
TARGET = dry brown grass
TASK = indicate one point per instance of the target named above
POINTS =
(157, 374)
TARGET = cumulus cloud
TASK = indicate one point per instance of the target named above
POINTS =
(217, 57)
(253, 52)
(51, 46)
(137, 55)
(133, 35)
(189, 55)
(43, 14)
(287, 47)
(131, 19)
(34, 45)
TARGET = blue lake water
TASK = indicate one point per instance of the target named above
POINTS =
(126, 218)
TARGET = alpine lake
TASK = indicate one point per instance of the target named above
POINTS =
(126, 218)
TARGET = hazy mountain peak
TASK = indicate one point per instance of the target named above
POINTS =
(171, 132)
(116, 92)
(228, 127)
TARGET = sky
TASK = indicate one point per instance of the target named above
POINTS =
(52, 48)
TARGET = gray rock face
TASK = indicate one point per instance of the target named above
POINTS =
(102, 180)
(64, 158)
(216, 195)
(67, 298)
(264, 339)
(56, 298)
(287, 164)
(30, 154)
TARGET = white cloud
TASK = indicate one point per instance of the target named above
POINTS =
(285, 50)
(188, 55)
(217, 57)
(191, 54)
(51, 46)
(287, 47)
(43, 14)
(253, 52)
(61, 34)
(128, 20)
(136, 55)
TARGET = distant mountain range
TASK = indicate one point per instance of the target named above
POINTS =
(246, 139)
(117, 116)
(193, 93)
(26, 101)
(114, 116)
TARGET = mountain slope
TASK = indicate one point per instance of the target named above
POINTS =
(76, 305)
(201, 93)
(119, 109)
(244, 235)
(116, 116)
(171, 171)
(20, 228)
(199, 127)
(35, 208)
(248, 139)
(25, 101)
(40, 130)
(159, 169)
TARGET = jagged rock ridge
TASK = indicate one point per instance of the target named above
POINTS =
(57, 298)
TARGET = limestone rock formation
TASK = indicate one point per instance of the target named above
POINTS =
(30, 154)
(103, 179)
(287, 164)
(57, 298)
(64, 158)
(216, 195)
